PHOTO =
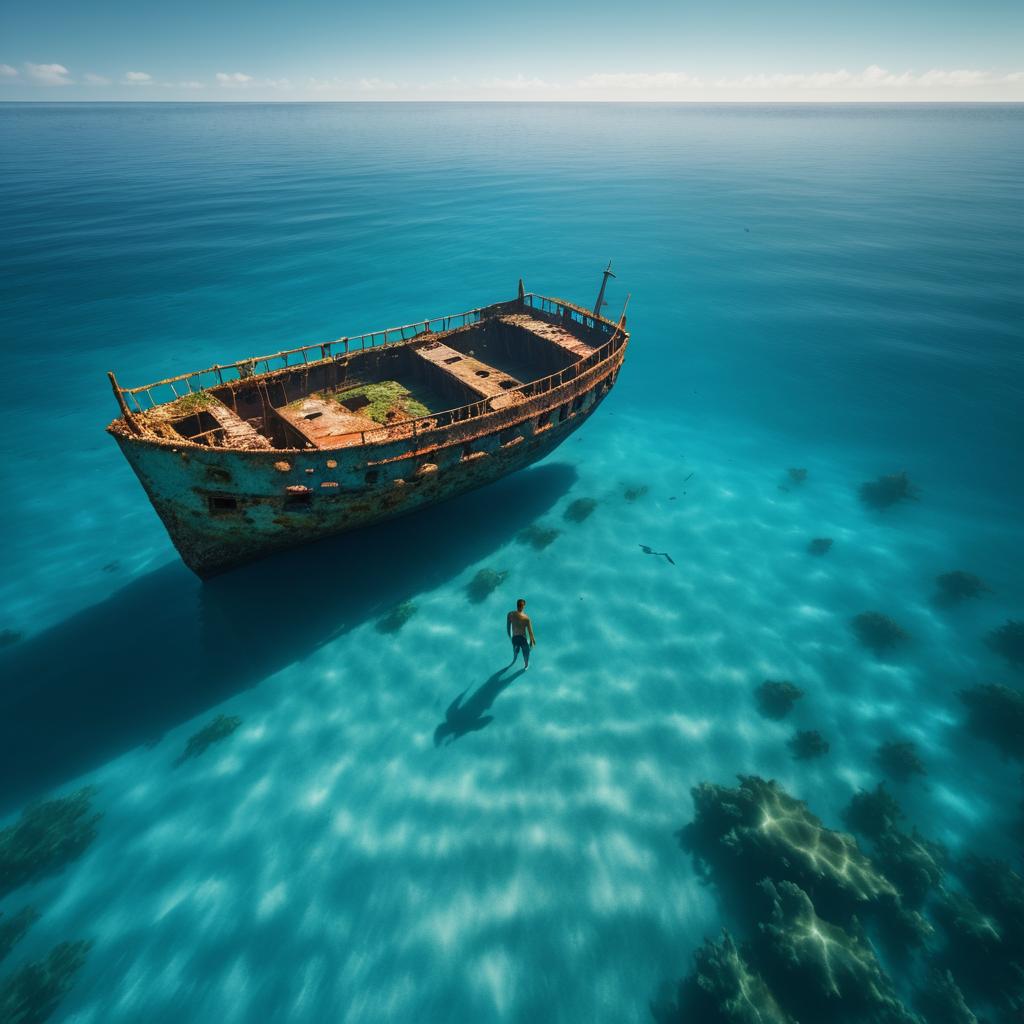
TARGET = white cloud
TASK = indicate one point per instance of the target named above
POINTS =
(138, 78)
(48, 74)
(638, 80)
(376, 85)
(90, 79)
(279, 83)
(520, 83)
(6, 71)
(234, 78)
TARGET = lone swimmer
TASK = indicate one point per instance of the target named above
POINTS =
(519, 627)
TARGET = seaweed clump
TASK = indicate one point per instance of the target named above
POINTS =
(214, 732)
(396, 618)
(32, 993)
(633, 493)
(996, 713)
(45, 838)
(1008, 640)
(954, 587)
(878, 632)
(13, 928)
(484, 583)
(873, 812)
(798, 476)
(9, 637)
(820, 546)
(899, 760)
(538, 537)
(807, 744)
(775, 699)
(888, 490)
(580, 509)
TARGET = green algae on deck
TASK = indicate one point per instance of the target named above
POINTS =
(386, 399)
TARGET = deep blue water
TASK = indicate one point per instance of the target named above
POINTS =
(835, 288)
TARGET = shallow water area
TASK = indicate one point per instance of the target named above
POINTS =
(402, 823)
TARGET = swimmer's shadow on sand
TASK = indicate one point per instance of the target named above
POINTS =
(167, 648)
(461, 718)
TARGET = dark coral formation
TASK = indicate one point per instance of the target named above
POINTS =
(828, 973)
(912, 863)
(45, 838)
(13, 927)
(996, 713)
(798, 476)
(580, 509)
(775, 698)
(803, 889)
(985, 928)
(483, 584)
(942, 1002)
(632, 493)
(954, 587)
(820, 546)
(878, 632)
(396, 618)
(1008, 640)
(873, 812)
(538, 537)
(31, 994)
(723, 989)
(214, 732)
(808, 744)
(758, 830)
(888, 490)
(899, 760)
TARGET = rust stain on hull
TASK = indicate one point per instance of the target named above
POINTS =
(232, 478)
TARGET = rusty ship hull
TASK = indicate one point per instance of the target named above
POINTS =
(267, 453)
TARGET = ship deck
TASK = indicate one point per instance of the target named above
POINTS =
(350, 394)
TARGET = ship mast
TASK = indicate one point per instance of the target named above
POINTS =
(604, 284)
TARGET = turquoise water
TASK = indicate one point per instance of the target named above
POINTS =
(831, 288)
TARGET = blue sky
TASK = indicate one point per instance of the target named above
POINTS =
(454, 49)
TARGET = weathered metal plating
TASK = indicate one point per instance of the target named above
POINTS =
(228, 495)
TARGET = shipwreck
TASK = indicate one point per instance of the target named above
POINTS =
(269, 452)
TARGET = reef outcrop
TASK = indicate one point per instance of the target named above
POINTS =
(820, 546)
(395, 619)
(996, 713)
(878, 632)
(213, 732)
(32, 993)
(808, 744)
(45, 838)
(775, 698)
(483, 584)
(580, 509)
(538, 537)
(873, 812)
(899, 760)
(1008, 640)
(888, 490)
(956, 586)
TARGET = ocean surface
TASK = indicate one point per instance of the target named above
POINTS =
(830, 288)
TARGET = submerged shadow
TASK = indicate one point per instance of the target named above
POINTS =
(469, 717)
(167, 647)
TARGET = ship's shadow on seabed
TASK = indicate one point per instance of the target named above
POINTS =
(461, 718)
(167, 647)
